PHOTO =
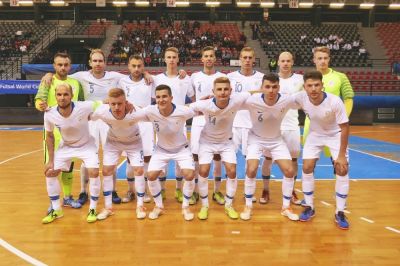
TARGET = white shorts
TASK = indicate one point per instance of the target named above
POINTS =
(195, 138)
(113, 150)
(276, 149)
(99, 130)
(147, 135)
(292, 140)
(240, 139)
(315, 144)
(88, 153)
(160, 158)
(225, 149)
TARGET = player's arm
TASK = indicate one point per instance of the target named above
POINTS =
(50, 150)
(47, 79)
(148, 78)
(347, 93)
(81, 93)
(341, 164)
(348, 104)
(41, 97)
(182, 73)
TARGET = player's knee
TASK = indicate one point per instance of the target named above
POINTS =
(251, 171)
(52, 173)
(94, 172)
(138, 171)
(231, 173)
(288, 172)
(203, 172)
(107, 170)
(188, 175)
(308, 168)
(152, 176)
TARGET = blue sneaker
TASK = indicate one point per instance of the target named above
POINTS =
(70, 202)
(83, 198)
(115, 198)
(341, 220)
(307, 214)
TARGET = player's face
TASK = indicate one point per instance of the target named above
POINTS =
(63, 97)
(285, 63)
(313, 87)
(222, 91)
(163, 99)
(208, 58)
(247, 59)
(97, 63)
(117, 106)
(321, 60)
(62, 66)
(171, 59)
(136, 68)
(270, 89)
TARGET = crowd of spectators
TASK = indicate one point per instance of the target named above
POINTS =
(16, 44)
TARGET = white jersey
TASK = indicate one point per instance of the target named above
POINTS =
(74, 129)
(138, 93)
(169, 129)
(219, 122)
(241, 83)
(290, 86)
(180, 87)
(125, 130)
(96, 89)
(203, 85)
(267, 119)
(325, 117)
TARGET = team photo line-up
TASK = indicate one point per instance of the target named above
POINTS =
(244, 110)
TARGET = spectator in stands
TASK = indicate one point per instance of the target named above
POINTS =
(362, 52)
(356, 44)
(396, 68)
(273, 65)
(303, 37)
(324, 40)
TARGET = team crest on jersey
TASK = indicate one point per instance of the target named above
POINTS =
(331, 83)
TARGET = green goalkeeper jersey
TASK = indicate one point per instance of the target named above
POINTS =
(338, 84)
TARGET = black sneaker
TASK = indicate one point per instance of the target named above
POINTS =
(83, 198)
(115, 198)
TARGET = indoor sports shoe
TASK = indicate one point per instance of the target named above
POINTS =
(53, 214)
(70, 202)
(341, 221)
(193, 198)
(129, 196)
(219, 197)
(104, 214)
(187, 214)
(146, 198)
(155, 213)
(140, 212)
(92, 216)
(264, 199)
(203, 213)
(288, 212)
(115, 198)
(83, 198)
(246, 213)
(295, 200)
(307, 214)
(230, 211)
(178, 195)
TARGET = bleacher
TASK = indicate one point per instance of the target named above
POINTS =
(389, 35)
(94, 28)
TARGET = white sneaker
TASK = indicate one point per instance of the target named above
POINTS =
(140, 212)
(187, 214)
(146, 198)
(155, 213)
(130, 196)
(288, 212)
(246, 214)
(104, 214)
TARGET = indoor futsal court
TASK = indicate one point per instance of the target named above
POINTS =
(268, 238)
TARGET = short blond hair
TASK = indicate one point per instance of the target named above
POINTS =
(322, 49)
(96, 51)
(247, 49)
(171, 49)
(222, 80)
(207, 48)
(65, 85)
(116, 92)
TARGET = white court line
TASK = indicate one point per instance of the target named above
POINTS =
(367, 220)
(354, 180)
(21, 155)
(392, 229)
(325, 203)
(346, 211)
(298, 190)
(376, 156)
(21, 254)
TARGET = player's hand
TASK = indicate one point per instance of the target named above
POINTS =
(47, 79)
(148, 78)
(182, 74)
(49, 169)
(207, 97)
(42, 106)
(341, 166)
(129, 108)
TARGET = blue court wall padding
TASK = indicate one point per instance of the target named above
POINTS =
(19, 86)
(372, 102)
(41, 69)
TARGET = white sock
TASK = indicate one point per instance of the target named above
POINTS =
(140, 186)
(188, 188)
(287, 189)
(107, 191)
(203, 190)
(94, 188)
(84, 178)
(249, 189)
(231, 186)
(266, 173)
(155, 191)
(342, 190)
(308, 188)
(53, 190)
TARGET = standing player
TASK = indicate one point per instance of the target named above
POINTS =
(289, 83)
(329, 128)
(123, 135)
(71, 119)
(168, 120)
(267, 111)
(46, 97)
(203, 84)
(139, 93)
(181, 88)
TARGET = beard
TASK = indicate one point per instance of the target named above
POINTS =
(64, 105)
